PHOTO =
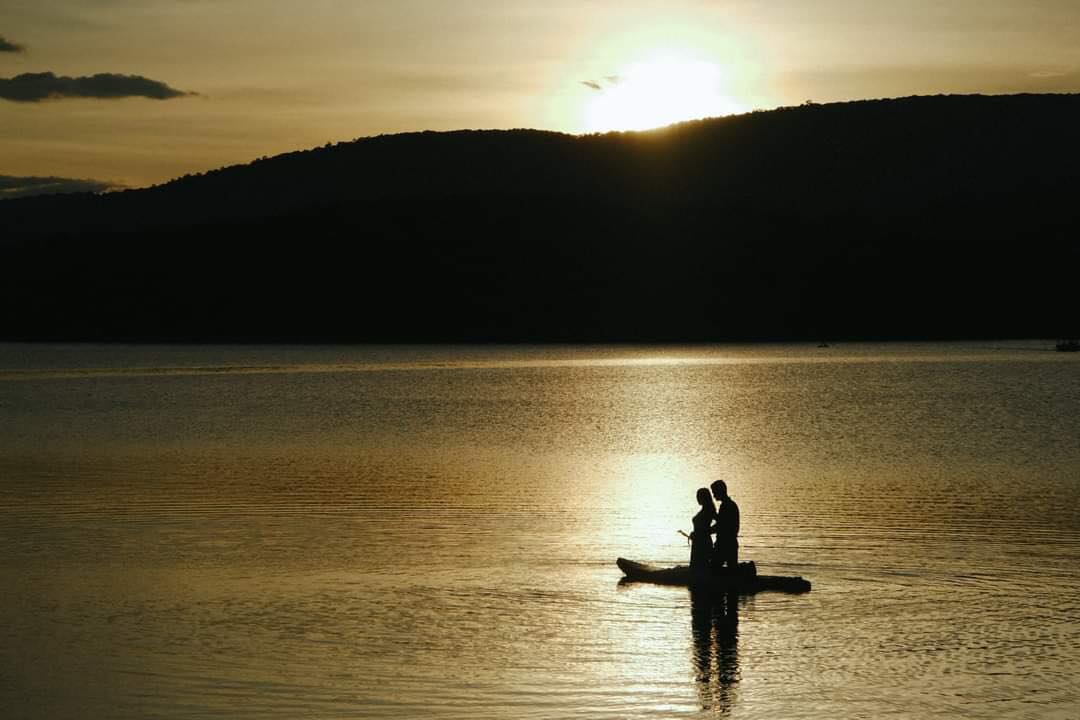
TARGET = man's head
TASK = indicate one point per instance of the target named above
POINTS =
(719, 489)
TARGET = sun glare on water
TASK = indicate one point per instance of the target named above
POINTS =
(658, 92)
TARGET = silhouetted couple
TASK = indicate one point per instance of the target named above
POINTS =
(722, 521)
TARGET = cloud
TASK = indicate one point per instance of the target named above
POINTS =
(1063, 81)
(15, 187)
(599, 84)
(35, 87)
(11, 47)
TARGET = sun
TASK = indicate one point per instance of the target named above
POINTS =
(659, 91)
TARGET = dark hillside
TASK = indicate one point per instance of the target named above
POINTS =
(919, 217)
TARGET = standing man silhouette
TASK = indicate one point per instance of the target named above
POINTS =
(726, 548)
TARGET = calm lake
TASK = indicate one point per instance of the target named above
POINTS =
(430, 532)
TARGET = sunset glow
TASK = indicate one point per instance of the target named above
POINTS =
(124, 94)
(657, 92)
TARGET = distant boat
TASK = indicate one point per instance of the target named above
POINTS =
(1068, 346)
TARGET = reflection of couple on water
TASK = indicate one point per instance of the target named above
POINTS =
(715, 616)
(721, 520)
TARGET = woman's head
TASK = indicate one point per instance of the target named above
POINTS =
(704, 497)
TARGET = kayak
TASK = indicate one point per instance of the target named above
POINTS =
(741, 582)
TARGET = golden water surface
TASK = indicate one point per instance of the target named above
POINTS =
(431, 532)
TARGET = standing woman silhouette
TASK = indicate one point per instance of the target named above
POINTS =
(701, 539)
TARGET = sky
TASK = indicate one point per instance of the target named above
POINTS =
(126, 93)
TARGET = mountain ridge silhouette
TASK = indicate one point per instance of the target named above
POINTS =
(922, 217)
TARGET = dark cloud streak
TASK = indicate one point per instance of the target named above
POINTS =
(10, 47)
(16, 187)
(600, 84)
(35, 87)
